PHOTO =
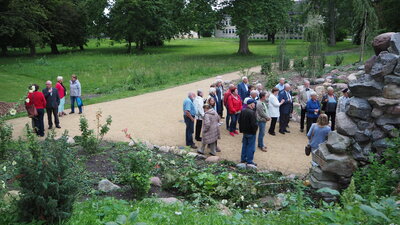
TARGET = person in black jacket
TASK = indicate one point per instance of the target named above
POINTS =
(248, 126)
(53, 100)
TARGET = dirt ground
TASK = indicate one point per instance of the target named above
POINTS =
(157, 117)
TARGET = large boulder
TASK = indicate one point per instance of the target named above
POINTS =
(377, 134)
(395, 44)
(394, 110)
(319, 80)
(106, 186)
(337, 143)
(388, 119)
(370, 63)
(391, 79)
(382, 42)
(385, 64)
(396, 70)
(359, 108)
(341, 165)
(362, 136)
(318, 184)
(361, 153)
(391, 91)
(376, 112)
(382, 102)
(380, 145)
(320, 175)
(344, 125)
(365, 87)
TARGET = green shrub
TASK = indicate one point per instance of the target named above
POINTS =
(271, 80)
(47, 178)
(266, 67)
(339, 60)
(5, 138)
(136, 169)
(300, 67)
(381, 176)
(88, 139)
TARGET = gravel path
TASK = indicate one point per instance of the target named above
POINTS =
(157, 117)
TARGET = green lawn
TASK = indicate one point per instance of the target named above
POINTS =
(109, 71)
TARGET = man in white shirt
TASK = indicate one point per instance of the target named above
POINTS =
(198, 104)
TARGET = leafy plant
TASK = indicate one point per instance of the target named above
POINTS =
(300, 67)
(283, 59)
(88, 139)
(339, 60)
(5, 138)
(266, 67)
(46, 174)
(381, 176)
(136, 170)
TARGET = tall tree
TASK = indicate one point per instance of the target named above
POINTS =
(277, 17)
(21, 24)
(365, 19)
(66, 24)
(202, 16)
(388, 14)
(142, 21)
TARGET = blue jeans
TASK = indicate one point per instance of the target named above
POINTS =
(228, 117)
(189, 130)
(234, 118)
(73, 99)
(261, 133)
(248, 148)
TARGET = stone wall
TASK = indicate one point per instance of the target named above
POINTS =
(372, 115)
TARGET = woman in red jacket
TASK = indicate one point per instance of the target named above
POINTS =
(37, 99)
(235, 107)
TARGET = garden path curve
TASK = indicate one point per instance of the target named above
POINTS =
(157, 117)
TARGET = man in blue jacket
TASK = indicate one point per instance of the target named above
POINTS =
(243, 88)
(285, 109)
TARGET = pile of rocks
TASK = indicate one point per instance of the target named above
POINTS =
(372, 115)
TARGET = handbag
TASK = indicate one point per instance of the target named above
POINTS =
(307, 149)
(79, 101)
(31, 109)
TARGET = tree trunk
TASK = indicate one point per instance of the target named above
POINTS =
(4, 50)
(32, 49)
(363, 37)
(141, 44)
(130, 46)
(332, 23)
(272, 38)
(244, 44)
(81, 47)
(54, 49)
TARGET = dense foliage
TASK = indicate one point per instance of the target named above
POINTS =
(135, 169)
(382, 176)
(46, 174)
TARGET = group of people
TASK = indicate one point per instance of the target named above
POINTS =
(52, 100)
(251, 108)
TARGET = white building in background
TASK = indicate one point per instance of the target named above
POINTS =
(229, 31)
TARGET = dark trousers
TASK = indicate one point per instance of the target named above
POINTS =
(273, 124)
(228, 117)
(248, 148)
(53, 111)
(38, 122)
(283, 122)
(199, 124)
(310, 121)
(220, 108)
(234, 119)
(189, 130)
(332, 118)
(73, 99)
(302, 118)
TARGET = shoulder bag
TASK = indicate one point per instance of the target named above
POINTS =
(307, 149)
(31, 109)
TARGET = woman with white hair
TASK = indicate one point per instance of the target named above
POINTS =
(313, 108)
(62, 92)
(329, 104)
(213, 94)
